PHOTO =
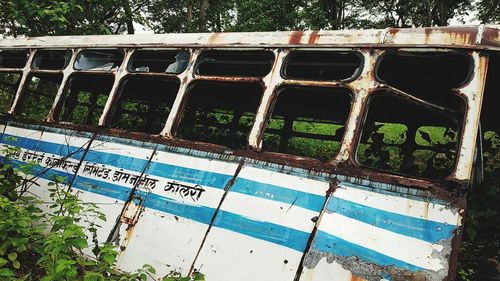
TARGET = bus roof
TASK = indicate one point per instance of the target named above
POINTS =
(474, 37)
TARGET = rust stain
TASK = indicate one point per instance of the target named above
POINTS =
(313, 38)
(356, 278)
(393, 31)
(491, 36)
(426, 210)
(296, 37)
(454, 35)
(213, 38)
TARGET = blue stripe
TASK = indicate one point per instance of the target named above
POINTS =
(44, 146)
(422, 229)
(274, 233)
(281, 194)
(39, 171)
(102, 188)
(327, 243)
(117, 160)
(194, 176)
(198, 213)
(21, 142)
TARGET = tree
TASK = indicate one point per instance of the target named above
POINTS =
(488, 11)
(52, 17)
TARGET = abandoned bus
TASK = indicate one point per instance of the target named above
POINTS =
(330, 155)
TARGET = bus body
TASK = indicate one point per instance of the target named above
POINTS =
(330, 155)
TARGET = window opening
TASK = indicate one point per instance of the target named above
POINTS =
(98, 59)
(220, 113)
(427, 75)
(170, 61)
(322, 65)
(85, 99)
(9, 82)
(402, 137)
(235, 63)
(308, 122)
(144, 104)
(13, 58)
(39, 95)
(51, 59)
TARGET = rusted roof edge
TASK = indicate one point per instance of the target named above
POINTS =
(474, 37)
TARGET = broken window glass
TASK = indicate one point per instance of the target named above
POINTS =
(98, 60)
(144, 104)
(85, 99)
(51, 59)
(158, 61)
(38, 97)
(402, 137)
(308, 122)
(235, 63)
(335, 66)
(220, 113)
(13, 58)
(9, 82)
(430, 76)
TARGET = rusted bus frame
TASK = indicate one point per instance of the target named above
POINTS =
(459, 37)
(362, 87)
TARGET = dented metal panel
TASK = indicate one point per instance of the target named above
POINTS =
(378, 235)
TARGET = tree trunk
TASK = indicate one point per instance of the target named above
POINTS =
(189, 15)
(128, 17)
(202, 24)
(443, 20)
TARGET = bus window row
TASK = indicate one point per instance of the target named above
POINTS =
(306, 65)
(398, 136)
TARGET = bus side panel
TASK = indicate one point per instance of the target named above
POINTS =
(263, 226)
(51, 155)
(377, 235)
(107, 176)
(176, 213)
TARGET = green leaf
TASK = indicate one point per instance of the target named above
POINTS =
(16, 264)
(5, 272)
(109, 259)
(3, 261)
(80, 243)
(12, 256)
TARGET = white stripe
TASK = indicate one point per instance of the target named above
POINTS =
(399, 205)
(284, 180)
(23, 133)
(196, 163)
(400, 247)
(120, 149)
(269, 211)
(65, 140)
